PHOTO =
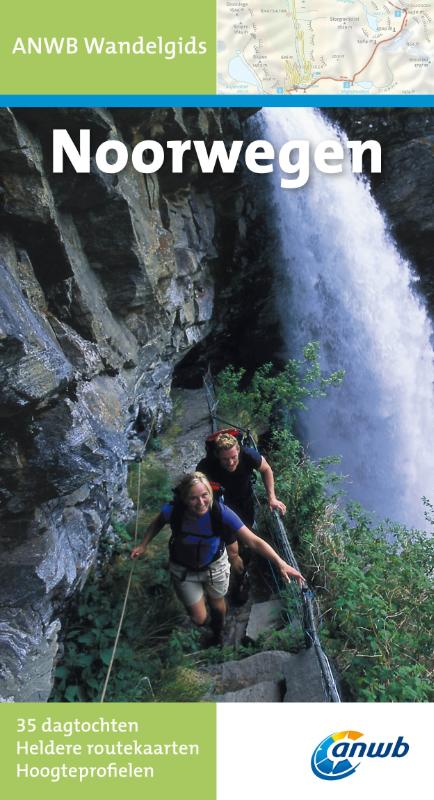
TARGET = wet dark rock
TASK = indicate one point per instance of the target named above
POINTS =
(33, 366)
(106, 281)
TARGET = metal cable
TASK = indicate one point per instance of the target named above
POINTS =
(308, 615)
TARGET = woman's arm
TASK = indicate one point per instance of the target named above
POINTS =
(153, 528)
(256, 543)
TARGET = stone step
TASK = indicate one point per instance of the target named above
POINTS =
(262, 692)
(303, 678)
(264, 617)
(233, 676)
(296, 678)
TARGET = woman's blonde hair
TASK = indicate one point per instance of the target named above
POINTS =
(190, 480)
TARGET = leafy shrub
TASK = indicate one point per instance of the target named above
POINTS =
(306, 487)
(290, 388)
(150, 644)
(144, 649)
(155, 488)
(377, 586)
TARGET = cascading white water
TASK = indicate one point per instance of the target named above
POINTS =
(342, 282)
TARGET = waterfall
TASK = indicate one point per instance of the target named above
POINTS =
(341, 280)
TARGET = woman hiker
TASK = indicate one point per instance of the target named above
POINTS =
(202, 547)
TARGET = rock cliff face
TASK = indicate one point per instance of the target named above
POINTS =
(106, 281)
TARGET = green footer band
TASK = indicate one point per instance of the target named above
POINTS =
(159, 751)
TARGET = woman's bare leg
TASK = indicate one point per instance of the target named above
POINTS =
(198, 613)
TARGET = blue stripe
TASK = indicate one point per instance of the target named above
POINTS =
(214, 101)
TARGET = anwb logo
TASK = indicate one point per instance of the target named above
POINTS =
(340, 754)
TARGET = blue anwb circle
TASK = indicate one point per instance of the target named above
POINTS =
(323, 767)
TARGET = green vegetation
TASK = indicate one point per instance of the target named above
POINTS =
(155, 489)
(150, 659)
(290, 635)
(377, 586)
(374, 584)
(270, 391)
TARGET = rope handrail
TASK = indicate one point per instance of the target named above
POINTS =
(283, 547)
(130, 576)
(127, 592)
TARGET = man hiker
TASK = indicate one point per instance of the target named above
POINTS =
(232, 467)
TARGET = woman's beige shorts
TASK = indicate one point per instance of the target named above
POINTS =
(190, 586)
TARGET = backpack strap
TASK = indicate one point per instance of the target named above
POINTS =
(218, 491)
(217, 518)
(247, 462)
(215, 535)
(178, 510)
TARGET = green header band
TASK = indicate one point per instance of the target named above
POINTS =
(93, 48)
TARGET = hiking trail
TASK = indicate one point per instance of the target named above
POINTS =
(268, 676)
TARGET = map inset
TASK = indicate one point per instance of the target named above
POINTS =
(325, 46)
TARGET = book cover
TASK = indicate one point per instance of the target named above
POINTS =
(147, 235)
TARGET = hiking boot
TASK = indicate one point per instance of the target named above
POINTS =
(216, 639)
(211, 639)
(240, 592)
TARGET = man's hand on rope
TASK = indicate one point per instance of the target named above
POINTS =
(275, 504)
